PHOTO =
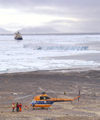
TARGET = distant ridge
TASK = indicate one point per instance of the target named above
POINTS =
(3, 31)
(48, 30)
(44, 30)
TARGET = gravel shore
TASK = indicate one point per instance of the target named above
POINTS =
(21, 87)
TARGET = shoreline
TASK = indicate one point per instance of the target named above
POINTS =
(74, 69)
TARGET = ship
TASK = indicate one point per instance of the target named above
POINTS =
(18, 36)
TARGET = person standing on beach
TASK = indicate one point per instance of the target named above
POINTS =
(13, 107)
(20, 107)
(17, 107)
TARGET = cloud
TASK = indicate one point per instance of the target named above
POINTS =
(79, 8)
(72, 4)
(83, 15)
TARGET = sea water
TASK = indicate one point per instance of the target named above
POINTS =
(48, 52)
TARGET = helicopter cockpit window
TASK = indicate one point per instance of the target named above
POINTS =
(47, 97)
(41, 98)
(44, 97)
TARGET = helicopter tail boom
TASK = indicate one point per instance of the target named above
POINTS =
(64, 100)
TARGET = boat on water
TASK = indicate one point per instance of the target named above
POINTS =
(18, 36)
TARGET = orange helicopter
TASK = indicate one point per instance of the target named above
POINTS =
(44, 101)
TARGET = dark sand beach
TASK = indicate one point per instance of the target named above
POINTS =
(21, 87)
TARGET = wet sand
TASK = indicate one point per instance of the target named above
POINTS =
(21, 87)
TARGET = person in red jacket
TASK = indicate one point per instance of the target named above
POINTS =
(17, 107)
(20, 107)
(13, 107)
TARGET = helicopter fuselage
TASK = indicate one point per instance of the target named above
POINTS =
(44, 101)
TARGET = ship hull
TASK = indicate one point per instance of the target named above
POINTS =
(19, 38)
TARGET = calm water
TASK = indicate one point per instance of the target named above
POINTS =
(43, 52)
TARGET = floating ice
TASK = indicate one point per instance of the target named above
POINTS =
(39, 52)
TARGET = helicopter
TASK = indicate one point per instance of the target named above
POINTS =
(44, 101)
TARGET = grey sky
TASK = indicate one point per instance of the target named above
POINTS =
(71, 15)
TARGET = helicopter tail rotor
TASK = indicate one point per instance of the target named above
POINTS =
(79, 95)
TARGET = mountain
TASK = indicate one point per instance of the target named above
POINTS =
(3, 31)
(38, 30)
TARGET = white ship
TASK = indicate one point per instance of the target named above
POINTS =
(18, 36)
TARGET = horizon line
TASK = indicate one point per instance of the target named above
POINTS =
(52, 33)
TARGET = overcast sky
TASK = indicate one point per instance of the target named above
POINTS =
(61, 15)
